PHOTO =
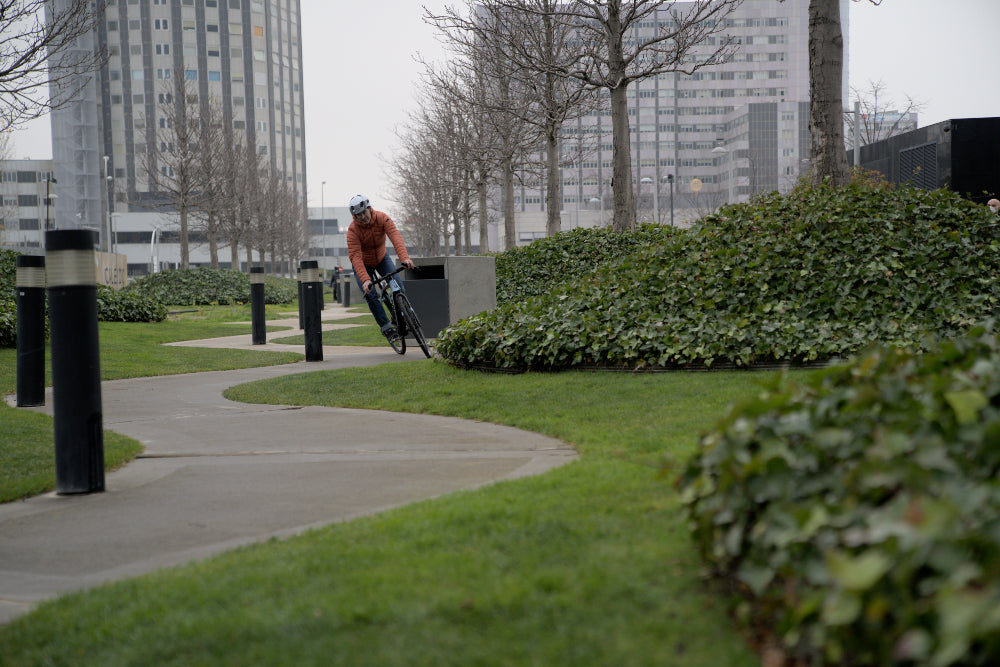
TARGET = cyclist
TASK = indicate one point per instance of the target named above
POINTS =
(366, 249)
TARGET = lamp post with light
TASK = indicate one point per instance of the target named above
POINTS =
(49, 196)
(322, 215)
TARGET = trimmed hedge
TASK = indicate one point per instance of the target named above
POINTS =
(858, 512)
(816, 274)
(122, 306)
(204, 286)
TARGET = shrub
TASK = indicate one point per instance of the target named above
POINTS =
(8, 296)
(812, 275)
(122, 306)
(859, 511)
(203, 286)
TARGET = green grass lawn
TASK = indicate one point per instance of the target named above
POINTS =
(589, 564)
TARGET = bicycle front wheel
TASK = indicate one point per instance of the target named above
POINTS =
(413, 327)
(399, 344)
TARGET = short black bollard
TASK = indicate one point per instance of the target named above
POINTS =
(76, 369)
(346, 286)
(311, 284)
(30, 330)
(258, 336)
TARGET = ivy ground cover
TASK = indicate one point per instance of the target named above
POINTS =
(816, 274)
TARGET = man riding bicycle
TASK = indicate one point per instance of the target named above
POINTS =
(366, 249)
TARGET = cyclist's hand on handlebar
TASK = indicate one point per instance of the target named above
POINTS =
(408, 263)
(367, 286)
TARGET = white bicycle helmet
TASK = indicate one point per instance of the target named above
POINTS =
(358, 204)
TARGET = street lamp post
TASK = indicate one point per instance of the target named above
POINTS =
(322, 215)
(109, 244)
(670, 179)
(48, 199)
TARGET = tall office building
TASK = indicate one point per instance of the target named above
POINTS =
(241, 56)
(720, 134)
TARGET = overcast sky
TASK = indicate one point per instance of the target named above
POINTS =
(361, 76)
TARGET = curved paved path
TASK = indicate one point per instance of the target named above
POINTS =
(217, 474)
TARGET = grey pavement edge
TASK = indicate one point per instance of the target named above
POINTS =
(217, 474)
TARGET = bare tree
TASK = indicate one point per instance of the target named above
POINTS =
(617, 53)
(44, 59)
(525, 35)
(172, 161)
(881, 116)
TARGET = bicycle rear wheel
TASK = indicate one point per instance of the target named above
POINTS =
(413, 327)
(399, 345)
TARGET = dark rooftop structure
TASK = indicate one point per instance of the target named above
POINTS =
(961, 154)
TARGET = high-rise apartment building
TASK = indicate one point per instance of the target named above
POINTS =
(244, 57)
(718, 135)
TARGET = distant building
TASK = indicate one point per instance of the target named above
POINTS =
(243, 55)
(28, 198)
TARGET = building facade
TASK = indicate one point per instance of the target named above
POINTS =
(27, 193)
(243, 57)
(718, 135)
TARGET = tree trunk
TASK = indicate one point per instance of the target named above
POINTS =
(484, 218)
(826, 71)
(185, 252)
(621, 179)
(509, 232)
(213, 243)
(553, 220)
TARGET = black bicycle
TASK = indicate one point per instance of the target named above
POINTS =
(400, 312)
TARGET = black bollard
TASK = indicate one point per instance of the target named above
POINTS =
(30, 330)
(311, 283)
(346, 287)
(258, 336)
(76, 369)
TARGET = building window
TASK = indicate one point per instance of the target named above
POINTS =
(188, 25)
(258, 31)
(214, 75)
(27, 200)
(137, 75)
(112, 26)
(213, 53)
(212, 27)
(160, 24)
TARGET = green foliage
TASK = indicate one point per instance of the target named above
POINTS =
(859, 510)
(533, 269)
(815, 274)
(127, 306)
(203, 286)
(8, 305)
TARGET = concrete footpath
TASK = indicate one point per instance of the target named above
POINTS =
(218, 474)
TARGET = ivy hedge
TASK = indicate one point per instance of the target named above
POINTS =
(815, 274)
(204, 286)
(858, 512)
(533, 269)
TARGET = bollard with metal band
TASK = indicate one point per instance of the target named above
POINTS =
(30, 330)
(311, 283)
(257, 331)
(76, 369)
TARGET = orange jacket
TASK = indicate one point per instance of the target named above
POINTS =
(366, 243)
